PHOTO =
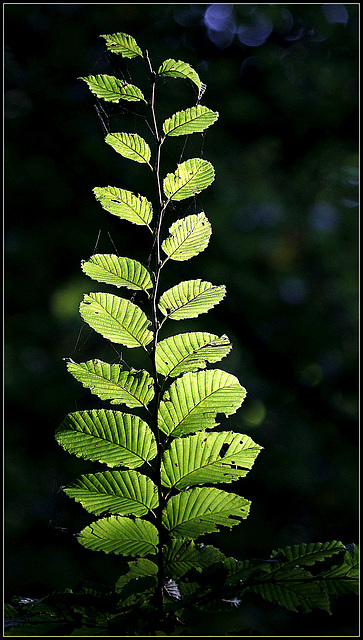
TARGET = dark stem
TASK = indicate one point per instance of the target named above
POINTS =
(156, 328)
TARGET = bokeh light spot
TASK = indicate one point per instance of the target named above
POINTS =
(221, 25)
(256, 31)
(218, 16)
(323, 217)
(254, 413)
(293, 291)
(311, 375)
(335, 13)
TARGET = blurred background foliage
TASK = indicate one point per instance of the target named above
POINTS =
(284, 212)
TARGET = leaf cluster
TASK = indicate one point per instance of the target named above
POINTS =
(141, 513)
(299, 578)
(155, 492)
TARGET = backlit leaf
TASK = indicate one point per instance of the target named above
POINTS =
(189, 352)
(190, 178)
(120, 272)
(112, 89)
(116, 492)
(120, 535)
(201, 510)
(130, 145)
(192, 120)
(179, 69)
(192, 402)
(109, 382)
(106, 436)
(122, 43)
(208, 458)
(190, 298)
(116, 319)
(188, 237)
(125, 204)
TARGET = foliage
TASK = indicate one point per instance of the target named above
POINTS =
(168, 441)
(302, 577)
(145, 513)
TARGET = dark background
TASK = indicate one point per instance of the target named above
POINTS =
(284, 213)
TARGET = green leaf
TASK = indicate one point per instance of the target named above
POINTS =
(112, 89)
(282, 580)
(116, 492)
(189, 352)
(188, 237)
(180, 556)
(130, 145)
(308, 553)
(124, 44)
(292, 587)
(124, 204)
(239, 572)
(106, 436)
(44, 623)
(179, 69)
(120, 272)
(120, 535)
(190, 178)
(109, 382)
(208, 458)
(193, 120)
(116, 319)
(197, 511)
(343, 577)
(140, 568)
(192, 402)
(190, 298)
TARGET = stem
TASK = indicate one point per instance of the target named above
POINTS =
(156, 329)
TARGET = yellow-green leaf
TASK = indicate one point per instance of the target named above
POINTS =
(130, 145)
(179, 69)
(124, 204)
(190, 178)
(122, 43)
(192, 120)
(188, 237)
(116, 319)
(112, 89)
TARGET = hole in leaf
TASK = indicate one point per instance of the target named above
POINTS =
(224, 450)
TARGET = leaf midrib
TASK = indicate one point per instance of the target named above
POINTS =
(209, 518)
(118, 322)
(189, 233)
(204, 466)
(196, 171)
(107, 493)
(185, 304)
(124, 280)
(111, 442)
(116, 384)
(130, 135)
(197, 405)
(191, 121)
